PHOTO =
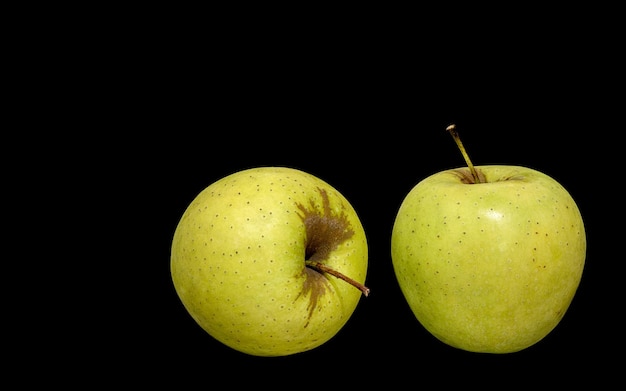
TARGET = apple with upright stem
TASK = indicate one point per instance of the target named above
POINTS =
(270, 261)
(489, 258)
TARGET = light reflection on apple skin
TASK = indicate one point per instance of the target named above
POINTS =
(494, 215)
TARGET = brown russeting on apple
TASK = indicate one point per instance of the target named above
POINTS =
(324, 232)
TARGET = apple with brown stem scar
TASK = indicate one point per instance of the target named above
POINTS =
(270, 261)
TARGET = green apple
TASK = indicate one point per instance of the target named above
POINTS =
(270, 261)
(488, 258)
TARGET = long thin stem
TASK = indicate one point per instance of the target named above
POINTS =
(455, 135)
(323, 268)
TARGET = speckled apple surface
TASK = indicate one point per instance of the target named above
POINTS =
(238, 260)
(489, 267)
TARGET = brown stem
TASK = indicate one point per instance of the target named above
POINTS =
(323, 268)
(455, 135)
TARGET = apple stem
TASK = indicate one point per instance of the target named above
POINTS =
(323, 268)
(455, 135)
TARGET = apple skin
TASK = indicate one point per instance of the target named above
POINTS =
(489, 267)
(238, 260)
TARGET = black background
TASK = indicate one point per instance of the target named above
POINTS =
(167, 107)
(373, 144)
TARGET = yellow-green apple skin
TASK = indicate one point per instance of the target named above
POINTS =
(489, 267)
(238, 260)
